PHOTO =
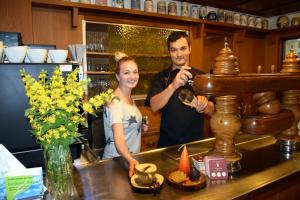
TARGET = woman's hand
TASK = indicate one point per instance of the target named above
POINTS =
(132, 164)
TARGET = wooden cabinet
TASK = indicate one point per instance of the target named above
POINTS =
(147, 45)
(149, 141)
(150, 138)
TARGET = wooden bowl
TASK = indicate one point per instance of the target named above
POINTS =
(272, 107)
(187, 185)
(268, 124)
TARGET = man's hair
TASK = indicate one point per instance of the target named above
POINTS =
(176, 35)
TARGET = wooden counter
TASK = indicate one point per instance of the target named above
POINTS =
(266, 174)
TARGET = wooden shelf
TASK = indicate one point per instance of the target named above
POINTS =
(133, 55)
(97, 9)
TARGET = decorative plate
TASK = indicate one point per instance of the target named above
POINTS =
(282, 21)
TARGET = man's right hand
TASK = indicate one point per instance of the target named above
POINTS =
(182, 77)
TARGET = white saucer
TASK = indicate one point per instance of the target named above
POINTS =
(134, 181)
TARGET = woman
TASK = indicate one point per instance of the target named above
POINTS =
(122, 118)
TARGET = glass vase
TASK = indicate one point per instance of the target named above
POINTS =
(59, 173)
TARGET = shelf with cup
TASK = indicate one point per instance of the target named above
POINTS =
(81, 8)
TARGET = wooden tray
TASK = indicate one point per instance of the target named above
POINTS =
(187, 185)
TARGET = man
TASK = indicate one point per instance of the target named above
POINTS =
(179, 123)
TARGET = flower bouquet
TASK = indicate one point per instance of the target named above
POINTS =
(57, 109)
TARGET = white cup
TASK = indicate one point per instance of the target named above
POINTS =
(146, 173)
(57, 55)
(1, 54)
(37, 55)
(16, 54)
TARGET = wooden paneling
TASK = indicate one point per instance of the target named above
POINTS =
(154, 118)
(15, 16)
(251, 54)
(52, 26)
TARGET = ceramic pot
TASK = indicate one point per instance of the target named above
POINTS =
(212, 15)
(136, 4)
(194, 12)
(295, 21)
(244, 20)
(237, 18)
(172, 8)
(148, 6)
(228, 17)
(185, 9)
(258, 23)
(251, 21)
(221, 15)
(203, 12)
(161, 7)
(265, 24)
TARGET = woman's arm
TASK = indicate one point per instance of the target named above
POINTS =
(122, 148)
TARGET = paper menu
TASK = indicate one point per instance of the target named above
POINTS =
(8, 162)
(14, 176)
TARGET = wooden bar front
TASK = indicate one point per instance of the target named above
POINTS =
(266, 174)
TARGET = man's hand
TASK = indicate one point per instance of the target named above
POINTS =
(182, 77)
(202, 102)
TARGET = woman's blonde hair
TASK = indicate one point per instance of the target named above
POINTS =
(121, 57)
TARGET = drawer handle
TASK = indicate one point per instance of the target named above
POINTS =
(150, 144)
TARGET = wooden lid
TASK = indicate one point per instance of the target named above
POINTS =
(291, 63)
(226, 63)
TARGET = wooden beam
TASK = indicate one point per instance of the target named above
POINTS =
(217, 85)
(75, 17)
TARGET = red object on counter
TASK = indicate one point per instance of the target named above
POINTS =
(184, 162)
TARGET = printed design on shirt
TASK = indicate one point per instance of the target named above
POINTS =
(139, 130)
(131, 120)
(109, 141)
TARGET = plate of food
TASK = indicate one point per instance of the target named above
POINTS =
(192, 182)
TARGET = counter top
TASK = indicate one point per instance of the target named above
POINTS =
(263, 165)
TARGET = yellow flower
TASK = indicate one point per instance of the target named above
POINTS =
(55, 106)
(88, 108)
